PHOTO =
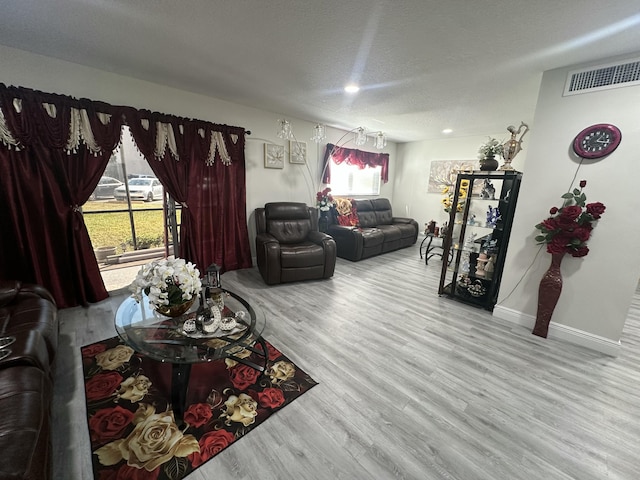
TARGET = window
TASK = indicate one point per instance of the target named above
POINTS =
(128, 217)
(350, 171)
(353, 180)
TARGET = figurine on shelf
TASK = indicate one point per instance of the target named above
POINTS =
(463, 283)
(468, 243)
(490, 246)
(430, 228)
(488, 190)
(465, 263)
(472, 220)
(489, 267)
(492, 216)
(480, 265)
(476, 289)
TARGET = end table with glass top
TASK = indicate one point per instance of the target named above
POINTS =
(166, 339)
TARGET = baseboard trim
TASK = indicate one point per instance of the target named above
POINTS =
(561, 332)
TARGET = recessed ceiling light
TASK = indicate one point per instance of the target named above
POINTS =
(447, 130)
(352, 88)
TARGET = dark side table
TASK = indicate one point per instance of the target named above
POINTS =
(431, 249)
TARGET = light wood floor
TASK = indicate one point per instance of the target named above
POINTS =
(412, 386)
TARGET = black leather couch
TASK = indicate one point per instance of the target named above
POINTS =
(289, 246)
(378, 231)
(28, 344)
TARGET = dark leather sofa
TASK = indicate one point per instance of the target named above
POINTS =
(28, 344)
(289, 246)
(378, 231)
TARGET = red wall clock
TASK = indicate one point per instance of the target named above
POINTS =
(597, 140)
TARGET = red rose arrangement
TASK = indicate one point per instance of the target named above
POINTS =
(324, 200)
(569, 227)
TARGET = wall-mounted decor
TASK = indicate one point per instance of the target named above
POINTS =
(297, 152)
(273, 155)
(443, 173)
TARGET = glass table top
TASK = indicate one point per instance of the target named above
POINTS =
(168, 339)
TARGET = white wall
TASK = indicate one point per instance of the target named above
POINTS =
(598, 288)
(414, 163)
(293, 183)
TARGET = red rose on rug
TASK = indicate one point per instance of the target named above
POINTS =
(243, 376)
(102, 385)
(109, 423)
(211, 444)
(271, 398)
(93, 350)
(198, 414)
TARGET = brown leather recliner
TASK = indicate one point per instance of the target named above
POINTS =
(289, 246)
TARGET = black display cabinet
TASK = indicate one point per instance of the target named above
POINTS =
(482, 210)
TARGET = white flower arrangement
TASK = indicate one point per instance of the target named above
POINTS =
(168, 281)
(492, 148)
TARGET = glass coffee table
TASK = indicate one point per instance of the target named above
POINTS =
(168, 340)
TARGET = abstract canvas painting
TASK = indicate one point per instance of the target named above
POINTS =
(444, 172)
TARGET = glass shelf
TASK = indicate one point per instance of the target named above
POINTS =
(463, 249)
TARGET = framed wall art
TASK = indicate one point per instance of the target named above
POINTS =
(297, 152)
(273, 155)
(444, 172)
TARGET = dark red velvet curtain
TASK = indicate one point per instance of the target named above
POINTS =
(44, 239)
(212, 193)
(356, 157)
(64, 145)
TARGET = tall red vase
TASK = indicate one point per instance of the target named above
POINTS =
(548, 295)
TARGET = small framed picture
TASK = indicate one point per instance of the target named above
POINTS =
(297, 152)
(273, 155)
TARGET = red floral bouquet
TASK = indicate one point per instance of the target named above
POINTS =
(324, 200)
(569, 227)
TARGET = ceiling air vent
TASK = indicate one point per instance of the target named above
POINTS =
(603, 77)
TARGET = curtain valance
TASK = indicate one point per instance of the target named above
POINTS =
(62, 122)
(359, 158)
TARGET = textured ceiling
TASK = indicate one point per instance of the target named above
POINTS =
(423, 65)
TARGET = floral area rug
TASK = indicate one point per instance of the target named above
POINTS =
(133, 432)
